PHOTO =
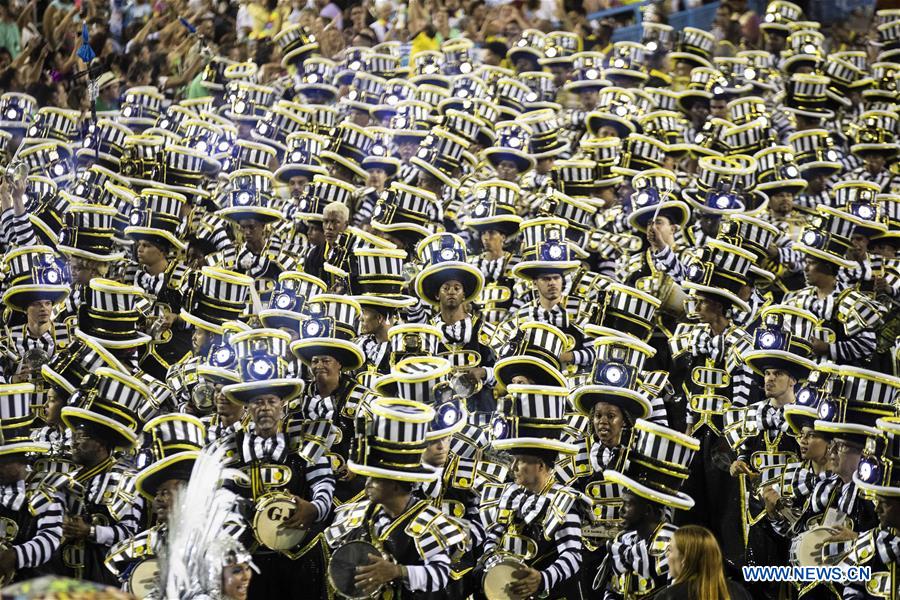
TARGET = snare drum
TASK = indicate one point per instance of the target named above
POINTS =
(498, 575)
(342, 569)
(804, 551)
(271, 511)
(143, 579)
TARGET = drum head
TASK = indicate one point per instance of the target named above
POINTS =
(498, 576)
(342, 567)
(143, 579)
(804, 551)
(270, 514)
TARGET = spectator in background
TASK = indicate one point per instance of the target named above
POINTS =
(696, 568)
(266, 19)
(108, 98)
(383, 23)
(495, 53)
(10, 34)
(330, 10)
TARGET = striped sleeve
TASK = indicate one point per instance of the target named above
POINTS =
(742, 380)
(432, 576)
(48, 513)
(320, 478)
(568, 548)
(22, 230)
(854, 348)
(667, 261)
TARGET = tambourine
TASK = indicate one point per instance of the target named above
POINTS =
(342, 569)
(806, 549)
(143, 578)
(271, 511)
(498, 576)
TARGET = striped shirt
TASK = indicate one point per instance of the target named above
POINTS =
(47, 512)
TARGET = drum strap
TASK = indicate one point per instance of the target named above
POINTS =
(257, 488)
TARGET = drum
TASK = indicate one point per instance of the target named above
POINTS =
(342, 569)
(806, 549)
(143, 578)
(271, 511)
(498, 575)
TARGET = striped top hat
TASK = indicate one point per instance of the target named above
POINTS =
(379, 154)
(828, 237)
(732, 69)
(444, 258)
(623, 309)
(669, 127)
(302, 157)
(390, 439)
(465, 87)
(140, 162)
(88, 232)
(512, 144)
(640, 153)
(694, 46)
(113, 405)
(533, 352)
(185, 169)
(721, 184)
(878, 472)
(624, 63)
(804, 49)
(83, 356)
(380, 271)
(536, 230)
(248, 195)
(511, 96)
(494, 207)
(889, 36)
(861, 199)
(175, 441)
(395, 91)
(814, 152)
(660, 98)
(17, 420)
(425, 379)
(551, 255)
(216, 296)
(297, 43)
(705, 83)
(409, 340)
(46, 208)
(775, 346)
(247, 72)
(331, 327)
(542, 92)
(90, 184)
(530, 421)
(759, 72)
(16, 111)
(365, 92)
(886, 76)
(276, 125)
(51, 159)
(350, 62)
(248, 102)
(845, 77)
(426, 69)
(618, 363)
(560, 47)
(746, 109)
(749, 233)
(156, 216)
(316, 80)
(381, 65)
(350, 145)
(529, 47)
(777, 171)
(463, 124)
(288, 299)
(780, 16)
(32, 274)
(262, 356)
(817, 387)
(104, 142)
(657, 463)
(657, 37)
(749, 138)
(51, 123)
(578, 214)
(169, 122)
(411, 122)
(406, 211)
(876, 133)
(616, 110)
(440, 155)
(720, 272)
(859, 398)
(656, 194)
(213, 75)
(457, 57)
(245, 154)
(110, 314)
(806, 95)
(141, 107)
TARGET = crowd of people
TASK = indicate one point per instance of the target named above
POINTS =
(494, 310)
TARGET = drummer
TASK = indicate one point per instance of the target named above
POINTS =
(544, 531)
(408, 540)
(269, 453)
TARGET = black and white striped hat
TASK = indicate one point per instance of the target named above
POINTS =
(350, 145)
(529, 46)
(34, 273)
(878, 472)
(16, 421)
(513, 144)
(748, 233)
(542, 92)
(83, 356)
(46, 208)
(113, 405)
(693, 46)
(746, 109)
(380, 270)
(494, 207)
(288, 300)
(720, 272)
(457, 57)
(781, 16)
(657, 37)
(883, 94)
(533, 351)
(578, 214)
(216, 296)
(316, 80)
(624, 309)
(464, 87)
(750, 138)
(140, 161)
(815, 152)
(185, 169)
(804, 49)
(245, 154)
(624, 65)
(208, 137)
(777, 170)
(262, 356)
(722, 186)
(615, 377)
(248, 102)
(444, 258)
(412, 340)
(331, 327)
(877, 133)
(156, 215)
(248, 195)
(440, 155)
(49, 158)
(141, 107)
(640, 153)
(173, 443)
(828, 237)
(667, 126)
(432, 95)
(104, 143)
(776, 345)
(88, 232)
(806, 95)
(302, 157)
(51, 123)
(110, 314)
(16, 111)
(277, 124)
(297, 43)
(511, 96)
(425, 68)
(395, 92)
(657, 464)
(860, 397)
(560, 47)
(530, 420)
(391, 437)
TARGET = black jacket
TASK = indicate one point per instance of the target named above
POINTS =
(680, 591)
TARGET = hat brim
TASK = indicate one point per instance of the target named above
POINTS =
(798, 417)
(676, 211)
(150, 234)
(532, 269)
(19, 297)
(822, 255)
(434, 171)
(694, 203)
(280, 319)
(348, 354)
(882, 491)
(150, 479)
(432, 277)
(888, 149)
(138, 339)
(505, 224)
(79, 253)
(258, 213)
(587, 397)
(420, 474)
(389, 301)
(851, 431)
(201, 323)
(521, 445)
(286, 172)
(535, 369)
(286, 388)
(718, 292)
(681, 501)
(119, 435)
(24, 448)
(345, 162)
(523, 161)
(798, 366)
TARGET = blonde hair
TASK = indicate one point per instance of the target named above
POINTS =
(701, 563)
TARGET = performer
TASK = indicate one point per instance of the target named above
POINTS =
(408, 540)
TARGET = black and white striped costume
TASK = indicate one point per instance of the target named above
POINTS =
(640, 567)
(37, 514)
